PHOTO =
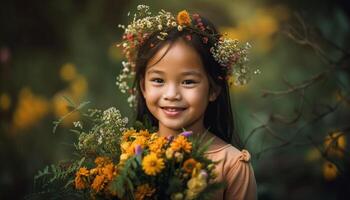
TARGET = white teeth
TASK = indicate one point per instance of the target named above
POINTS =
(172, 109)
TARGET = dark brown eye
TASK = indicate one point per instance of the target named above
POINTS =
(188, 82)
(157, 80)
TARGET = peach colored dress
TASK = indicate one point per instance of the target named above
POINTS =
(234, 169)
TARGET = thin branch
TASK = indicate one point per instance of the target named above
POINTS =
(305, 84)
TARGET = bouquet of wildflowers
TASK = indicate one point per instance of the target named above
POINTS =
(116, 162)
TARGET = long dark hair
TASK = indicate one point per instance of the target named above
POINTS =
(218, 115)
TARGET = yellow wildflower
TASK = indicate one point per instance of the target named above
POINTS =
(125, 146)
(80, 178)
(156, 146)
(144, 133)
(98, 183)
(127, 134)
(178, 156)
(143, 191)
(183, 18)
(330, 171)
(152, 165)
(196, 185)
(169, 153)
(139, 140)
(181, 142)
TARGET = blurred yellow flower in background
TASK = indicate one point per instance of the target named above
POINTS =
(335, 144)
(313, 155)
(68, 72)
(330, 171)
(78, 87)
(76, 90)
(30, 110)
(5, 102)
(60, 109)
(259, 28)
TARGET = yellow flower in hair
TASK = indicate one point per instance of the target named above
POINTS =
(183, 18)
(143, 191)
(152, 165)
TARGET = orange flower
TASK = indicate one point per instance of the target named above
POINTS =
(143, 191)
(157, 145)
(183, 18)
(128, 133)
(144, 133)
(181, 142)
(100, 161)
(80, 178)
(98, 183)
(109, 171)
(189, 165)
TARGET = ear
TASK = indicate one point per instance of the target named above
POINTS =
(214, 93)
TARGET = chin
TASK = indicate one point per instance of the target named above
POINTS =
(175, 126)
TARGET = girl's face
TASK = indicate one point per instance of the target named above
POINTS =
(176, 89)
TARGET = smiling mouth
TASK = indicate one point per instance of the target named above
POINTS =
(172, 111)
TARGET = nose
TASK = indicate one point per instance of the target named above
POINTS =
(172, 93)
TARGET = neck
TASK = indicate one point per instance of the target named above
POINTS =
(197, 129)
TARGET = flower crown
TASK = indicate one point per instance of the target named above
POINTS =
(227, 52)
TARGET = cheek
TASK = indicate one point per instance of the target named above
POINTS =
(199, 97)
(151, 94)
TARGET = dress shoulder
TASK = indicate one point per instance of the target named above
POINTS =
(235, 169)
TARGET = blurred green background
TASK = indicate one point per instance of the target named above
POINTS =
(293, 116)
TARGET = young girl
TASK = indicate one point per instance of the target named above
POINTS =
(181, 84)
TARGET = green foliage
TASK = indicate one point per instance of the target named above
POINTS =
(123, 184)
(55, 182)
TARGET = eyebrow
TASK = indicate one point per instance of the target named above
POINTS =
(155, 71)
(186, 73)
